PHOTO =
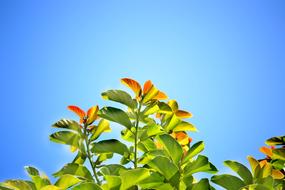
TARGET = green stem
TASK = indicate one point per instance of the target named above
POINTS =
(93, 166)
(136, 136)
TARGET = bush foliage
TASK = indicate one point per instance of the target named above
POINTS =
(155, 150)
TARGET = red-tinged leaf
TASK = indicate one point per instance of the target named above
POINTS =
(147, 86)
(132, 84)
(92, 114)
(160, 96)
(183, 114)
(78, 111)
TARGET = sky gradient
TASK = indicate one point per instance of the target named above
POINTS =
(223, 61)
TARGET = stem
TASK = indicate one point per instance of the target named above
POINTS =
(136, 135)
(93, 166)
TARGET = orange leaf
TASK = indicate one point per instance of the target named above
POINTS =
(147, 86)
(92, 114)
(132, 84)
(78, 111)
(183, 114)
(160, 96)
(266, 151)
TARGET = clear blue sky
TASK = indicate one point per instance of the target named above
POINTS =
(222, 60)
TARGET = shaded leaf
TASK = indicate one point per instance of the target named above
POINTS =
(115, 115)
(121, 97)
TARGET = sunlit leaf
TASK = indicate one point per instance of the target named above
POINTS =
(241, 170)
(194, 150)
(78, 111)
(185, 126)
(74, 169)
(201, 164)
(87, 186)
(183, 114)
(164, 166)
(92, 114)
(103, 126)
(172, 147)
(132, 84)
(133, 177)
(67, 181)
(112, 169)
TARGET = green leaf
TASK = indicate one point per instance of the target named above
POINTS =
(80, 158)
(203, 184)
(164, 166)
(109, 146)
(16, 185)
(121, 97)
(113, 182)
(87, 186)
(103, 126)
(112, 169)
(32, 171)
(172, 122)
(115, 115)
(201, 164)
(279, 153)
(38, 180)
(152, 181)
(67, 124)
(164, 107)
(133, 177)
(280, 140)
(74, 169)
(66, 137)
(185, 126)
(172, 147)
(229, 182)
(50, 187)
(194, 150)
(241, 170)
(67, 181)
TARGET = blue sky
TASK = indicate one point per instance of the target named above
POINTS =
(222, 60)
